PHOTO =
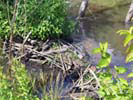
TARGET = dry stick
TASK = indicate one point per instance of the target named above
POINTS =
(87, 82)
(11, 35)
(46, 53)
(95, 77)
(49, 52)
(25, 41)
(63, 65)
(77, 82)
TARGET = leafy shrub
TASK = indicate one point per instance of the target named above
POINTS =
(127, 42)
(4, 26)
(21, 86)
(16, 87)
(112, 87)
(44, 18)
(105, 57)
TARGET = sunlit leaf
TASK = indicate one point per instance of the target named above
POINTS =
(130, 49)
(123, 81)
(130, 75)
(131, 30)
(107, 91)
(120, 70)
(123, 32)
(107, 79)
(129, 57)
(104, 62)
(128, 39)
(105, 45)
(96, 50)
(102, 93)
(101, 46)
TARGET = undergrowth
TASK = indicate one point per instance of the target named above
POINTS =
(17, 86)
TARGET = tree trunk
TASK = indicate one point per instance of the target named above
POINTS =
(129, 14)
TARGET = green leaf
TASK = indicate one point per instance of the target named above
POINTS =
(128, 39)
(101, 93)
(130, 49)
(131, 30)
(101, 46)
(104, 62)
(123, 32)
(120, 70)
(130, 75)
(129, 57)
(105, 45)
(107, 91)
(123, 81)
(107, 79)
(96, 50)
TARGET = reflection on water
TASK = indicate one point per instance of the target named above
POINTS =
(102, 27)
(106, 24)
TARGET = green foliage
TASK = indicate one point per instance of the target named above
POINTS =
(120, 69)
(105, 57)
(45, 19)
(130, 75)
(16, 87)
(4, 26)
(115, 88)
(21, 86)
(127, 42)
(111, 86)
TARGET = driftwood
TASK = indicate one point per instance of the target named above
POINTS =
(129, 14)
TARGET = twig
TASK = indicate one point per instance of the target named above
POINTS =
(25, 41)
(26, 38)
(95, 77)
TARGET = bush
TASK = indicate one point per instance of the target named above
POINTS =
(44, 18)
(16, 87)
(4, 26)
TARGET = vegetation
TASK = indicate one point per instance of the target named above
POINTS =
(16, 87)
(111, 85)
(45, 19)
(48, 19)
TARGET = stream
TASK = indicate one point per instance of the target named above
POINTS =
(102, 27)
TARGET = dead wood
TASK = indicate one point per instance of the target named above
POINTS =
(129, 16)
